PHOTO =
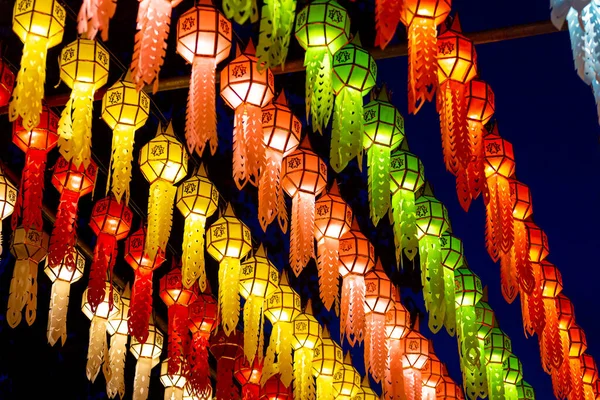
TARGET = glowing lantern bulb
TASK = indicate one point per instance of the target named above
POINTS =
(8, 199)
(327, 361)
(148, 356)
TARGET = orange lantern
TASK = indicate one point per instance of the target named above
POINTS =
(447, 389)
(274, 389)
(589, 374)
(550, 340)
(431, 375)
(416, 355)
(248, 375)
(225, 350)
(397, 322)
(7, 83)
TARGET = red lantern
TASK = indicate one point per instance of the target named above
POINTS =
(274, 389)
(7, 83)
(248, 375)
(225, 350)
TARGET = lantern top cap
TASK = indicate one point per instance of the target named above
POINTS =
(202, 171)
(250, 50)
(281, 99)
(382, 94)
(453, 26)
(365, 382)
(354, 225)
(325, 333)
(348, 359)
(334, 189)
(126, 292)
(356, 40)
(305, 143)
(229, 211)
(283, 279)
(165, 130)
(308, 309)
(379, 266)
(261, 252)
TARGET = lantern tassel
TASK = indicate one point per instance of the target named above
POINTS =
(255, 148)
(451, 141)
(432, 278)
(201, 117)
(31, 301)
(75, 125)
(506, 214)
(141, 305)
(422, 67)
(508, 279)
(387, 15)
(253, 328)
(536, 309)
(375, 345)
(141, 383)
(347, 129)
(324, 385)
(470, 349)
(225, 387)
(178, 337)
(20, 287)
(527, 325)
(319, 91)
(578, 40)
(64, 234)
(564, 372)
(199, 377)
(57, 316)
(282, 211)
(405, 226)
(475, 168)
(352, 317)
(449, 298)
(240, 158)
(229, 298)
(301, 235)
(463, 190)
(116, 356)
(491, 229)
(413, 383)
(121, 160)
(280, 346)
(304, 386)
(269, 191)
(105, 255)
(393, 384)
(328, 265)
(276, 25)
(521, 257)
(495, 376)
(482, 382)
(160, 216)
(94, 16)
(29, 199)
(577, 391)
(96, 348)
(193, 263)
(379, 181)
(552, 357)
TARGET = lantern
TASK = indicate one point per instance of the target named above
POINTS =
(117, 328)
(228, 241)
(111, 222)
(281, 130)
(40, 25)
(406, 178)
(240, 11)
(84, 68)
(328, 360)
(258, 280)
(576, 347)
(94, 16)
(589, 370)
(378, 300)
(448, 390)
(486, 320)
(333, 218)
(148, 356)
(384, 130)
(8, 199)
(36, 144)
(354, 75)
(246, 89)
(452, 258)
(562, 375)
(415, 356)
(367, 392)
(125, 110)
(174, 382)
(276, 26)
(187, 394)
(29, 248)
(513, 374)
(525, 391)
(431, 375)
(498, 348)
(306, 332)
(109, 306)
(550, 340)
(7, 83)
(61, 278)
(224, 349)
(197, 198)
(203, 40)
(357, 257)
(397, 322)
(304, 176)
(72, 183)
(274, 389)
(163, 162)
(346, 381)
(248, 375)
(322, 28)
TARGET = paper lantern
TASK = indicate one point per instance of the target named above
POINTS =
(163, 162)
(367, 392)
(384, 130)
(203, 320)
(407, 176)
(72, 183)
(525, 391)
(228, 241)
(327, 361)
(322, 28)
(397, 321)
(148, 356)
(174, 382)
(513, 374)
(452, 258)
(84, 68)
(29, 248)
(354, 75)
(448, 390)
(94, 16)
(248, 375)
(551, 286)
(8, 199)
(306, 331)
(498, 348)
(203, 40)
(589, 370)
(281, 130)
(225, 349)
(304, 176)
(61, 278)
(7, 83)
(125, 110)
(431, 375)
(240, 11)
(562, 375)
(274, 389)
(35, 143)
(486, 321)
(197, 199)
(118, 329)
(346, 381)
(40, 25)
(276, 26)
(415, 356)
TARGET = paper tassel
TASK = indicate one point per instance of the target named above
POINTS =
(96, 348)
(387, 16)
(193, 251)
(474, 171)
(105, 255)
(121, 161)
(178, 338)
(64, 234)
(455, 135)
(347, 128)
(422, 69)
(141, 383)
(141, 304)
(21, 296)
(57, 316)
(270, 192)
(375, 345)
(199, 376)
(241, 10)
(324, 386)
(160, 215)
(379, 160)
(253, 324)
(319, 91)
(304, 385)
(405, 228)
(248, 149)
(229, 298)
(75, 125)
(393, 383)
(117, 355)
(550, 340)
(301, 234)
(432, 279)
(280, 348)
(225, 350)
(276, 25)
(94, 16)
(352, 315)
(327, 264)
(29, 198)
(201, 118)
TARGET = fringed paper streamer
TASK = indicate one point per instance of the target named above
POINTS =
(379, 159)
(225, 350)
(94, 16)
(64, 234)
(375, 345)
(141, 304)
(141, 383)
(495, 381)
(117, 354)
(304, 385)
(178, 338)
(105, 255)
(160, 214)
(449, 299)
(269, 192)
(324, 387)
(301, 234)
(475, 167)
(148, 356)
(57, 316)
(225, 386)
(550, 340)
(75, 125)
(229, 298)
(347, 129)
(413, 384)
(577, 32)
(251, 152)
(432, 279)
(387, 16)
(455, 134)
(451, 259)
(327, 262)
(520, 258)
(535, 307)
(280, 349)
(201, 118)
(352, 314)
(253, 332)
(393, 384)
(121, 161)
(276, 25)
(508, 277)
(29, 198)
(422, 68)
(193, 251)
(241, 10)
(96, 348)
(199, 375)
(577, 391)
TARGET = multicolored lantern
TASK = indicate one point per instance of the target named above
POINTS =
(276, 26)
(8, 199)
(225, 349)
(274, 389)
(248, 375)
(241, 10)
(397, 321)
(148, 356)
(327, 361)
(306, 332)
(94, 16)
(415, 356)
(346, 381)
(452, 258)
(7, 83)
(174, 383)
(203, 40)
(498, 348)
(118, 330)
(322, 28)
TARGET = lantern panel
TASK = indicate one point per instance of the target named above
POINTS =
(123, 104)
(112, 218)
(42, 137)
(498, 346)
(552, 284)
(416, 350)
(173, 292)
(513, 370)
(437, 10)
(61, 272)
(281, 128)
(7, 83)
(29, 244)
(431, 373)
(228, 237)
(480, 101)
(43, 18)
(589, 369)
(177, 380)
(76, 179)
(333, 216)
(284, 304)
(258, 277)
(525, 391)
(522, 201)
(135, 255)
(303, 171)
(397, 320)
(566, 312)
(346, 382)
(452, 251)
(456, 57)
(203, 314)
(84, 61)
(357, 254)
(499, 156)
(383, 124)
(485, 318)
(538, 243)
(242, 82)
(353, 68)
(306, 331)
(577, 341)
(407, 172)
(467, 288)
(432, 216)
(323, 23)
(328, 357)
(163, 157)
(197, 195)
(378, 290)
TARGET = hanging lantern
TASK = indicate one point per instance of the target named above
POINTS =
(246, 89)
(486, 320)
(282, 131)
(354, 75)
(525, 391)
(110, 221)
(333, 219)
(224, 349)
(550, 340)
(72, 183)
(384, 130)
(84, 68)
(397, 321)
(562, 375)
(407, 176)
(174, 382)
(276, 26)
(148, 356)
(357, 257)
(367, 392)
(125, 110)
(108, 307)
(7, 83)
(304, 176)
(281, 309)
(118, 330)
(29, 248)
(448, 390)
(415, 356)
(228, 241)
(36, 144)
(452, 258)
(203, 40)
(61, 278)
(328, 360)
(322, 28)
(163, 162)
(306, 332)
(274, 389)
(40, 25)
(498, 348)
(513, 374)
(240, 11)
(8, 199)
(197, 199)
(187, 395)
(94, 16)
(346, 381)
(532, 303)
(248, 375)
(589, 374)
(431, 375)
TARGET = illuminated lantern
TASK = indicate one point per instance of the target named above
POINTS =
(498, 348)
(246, 89)
(357, 257)
(562, 375)
(368, 393)
(174, 382)
(40, 25)
(384, 130)
(452, 258)
(228, 241)
(415, 356)
(124, 110)
(94, 16)
(431, 375)
(225, 349)
(141, 297)
(407, 176)
(535, 247)
(197, 199)
(354, 75)
(240, 11)
(7, 83)
(117, 328)
(397, 322)
(108, 307)
(274, 389)
(258, 280)
(378, 300)
(36, 144)
(203, 40)
(148, 356)
(163, 162)
(328, 360)
(276, 26)
(513, 374)
(72, 183)
(281, 309)
(576, 347)
(281, 130)
(304, 176)
(486, 321)
(322, 28)
(248, 375)
(111, 222)
(589, 375)
(525, 391)
(306, 332)
(29, 248)
(84, 68)
(346, 381)
(448, 390)
(8, 198)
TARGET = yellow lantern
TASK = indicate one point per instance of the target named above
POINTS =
(40, 25)
(125, 110)
(174, 383)
(163, 162)
(29, 248)
(346, 381)
(197, 199)
(84, 68)
(8, 198)
(327, 361)
(306, 332)
(229, 240)
(148, 356)
(368, 393)
(118, 329)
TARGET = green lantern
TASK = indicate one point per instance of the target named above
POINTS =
(486, 321)
(525, 391)
(498, 348)
(354, 74)
(452, 258)
(322, 28)
(513, 374)
(276, 25)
